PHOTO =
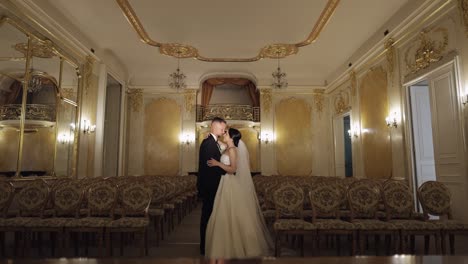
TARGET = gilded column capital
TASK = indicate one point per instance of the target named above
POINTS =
(318, 101)
(265, 99)
(135, 98)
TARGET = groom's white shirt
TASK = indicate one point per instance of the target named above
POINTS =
(215, 137)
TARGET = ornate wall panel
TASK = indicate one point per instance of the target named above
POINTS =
(161, 137)
(376, 142)
(293, 129)
(250, 138)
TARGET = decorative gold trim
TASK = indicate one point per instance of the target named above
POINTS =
(135, 98)
(318, 101)
(12, 59)
(353, 80)
(390, 55)
(341, 102)
(269, 51)
(463, 6)
(189, 97)
(265, 95)
(39, 49)
(88, 72)
(428, 52)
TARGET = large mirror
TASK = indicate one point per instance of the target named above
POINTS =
(38, 105)
(343, 134)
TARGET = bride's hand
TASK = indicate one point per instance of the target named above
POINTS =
(212, 163)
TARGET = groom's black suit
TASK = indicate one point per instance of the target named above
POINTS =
(208, 181)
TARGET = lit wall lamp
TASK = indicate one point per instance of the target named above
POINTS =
(64, 138)
(266, 137)
(391, 120)
(465, 99)
(353, 133)
(88, 128)
(186, 138)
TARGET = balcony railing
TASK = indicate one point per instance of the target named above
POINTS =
(37, 112)
(228, 112)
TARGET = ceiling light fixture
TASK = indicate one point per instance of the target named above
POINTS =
(177, 78)
(279, 77)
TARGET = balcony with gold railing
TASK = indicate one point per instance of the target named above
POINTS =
(228, 112)
(36, 115)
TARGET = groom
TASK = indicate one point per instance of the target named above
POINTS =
(209, 177)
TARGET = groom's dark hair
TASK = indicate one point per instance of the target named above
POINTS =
(235, 135)
(218, 120)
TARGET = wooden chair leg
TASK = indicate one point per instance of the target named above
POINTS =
(452, 244)
(361, 243)
(442, 243)
(427, 241)
(301, 238)
(353, 244)
(2, 244)
(121, 243)
(278, 244)
(146, 242)
(437, 243)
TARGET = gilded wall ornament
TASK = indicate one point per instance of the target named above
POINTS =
(88, 72)
(428, 51)
(39, 49)
(68, 92)
(135, 99)
(390, 55)
(341, 102)
(265, 95)
(265, 52)
(178, 50)
(353, 80)
(189, 96)
(318, 101)
(463, 6)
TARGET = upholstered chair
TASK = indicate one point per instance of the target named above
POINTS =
(435, 199)
(135, 199)
(326, 198)
(399, 204)
(289, 202)
(101, 201)
(364, 198)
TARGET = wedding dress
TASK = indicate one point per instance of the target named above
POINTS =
(236, 228)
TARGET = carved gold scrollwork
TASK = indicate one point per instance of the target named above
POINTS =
(178, 50)
(189, 97)
(39, 49)
(33, 112)
(135, 98)
(229, 112)
(463, 6)
(341, 102)
(318, 101)
(265, 100)
(274, 51)
(428, 51)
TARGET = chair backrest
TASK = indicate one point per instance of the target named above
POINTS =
(363, 199)
(435, 199)
(325, 199)
(289, 201)
(7, 191)
(158, 189)
(398, 200)
(136, 198)
(33, 198)
(68, 197)
(102, 197)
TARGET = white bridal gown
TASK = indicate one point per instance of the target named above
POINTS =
(236, 228)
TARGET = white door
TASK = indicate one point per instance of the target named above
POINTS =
(448, 140)
(338, 131)
(422, 134)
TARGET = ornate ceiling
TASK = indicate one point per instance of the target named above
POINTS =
(223, 32)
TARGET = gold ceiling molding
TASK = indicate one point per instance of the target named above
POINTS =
(463, 6)
(275, 50)
(428, 51)
(390, 55)
(265, 95)
(135, 98)
(342, 102)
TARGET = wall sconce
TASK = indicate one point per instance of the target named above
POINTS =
(72, 126)
(64, 138)
(465, 99)
(187, 138)
(391, 120)
(88, 128)
(266, 137)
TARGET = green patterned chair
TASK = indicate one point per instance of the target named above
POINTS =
(101, 200)
(7, 192)
(399, 204)
(66, 201)
(364, 198)
(325, 198)
(135, 199)
(435, 199)
(156, 210)
(289, 202)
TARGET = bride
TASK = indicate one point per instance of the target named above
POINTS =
(236, 228)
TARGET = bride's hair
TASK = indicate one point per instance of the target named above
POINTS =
(235, 135)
